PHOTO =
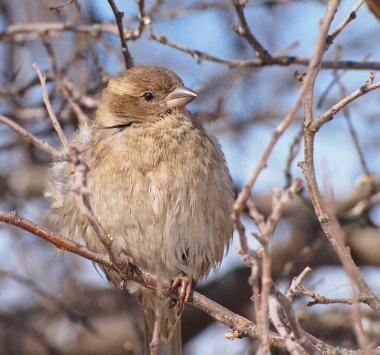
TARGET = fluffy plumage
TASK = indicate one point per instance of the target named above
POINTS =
(159, 183)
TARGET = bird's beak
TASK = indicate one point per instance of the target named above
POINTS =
(180, 97)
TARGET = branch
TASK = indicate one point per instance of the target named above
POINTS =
(303, 338)
(143, 19)
(40, 143)
(60, 7)
(79, 174)
(242, 325)
(21, 32)
(320, 299)
(124, 47)
(47, 103)
(266, 229)
(239, 325)
(327, 220)
(295, 285)
(244, 31)
(280, 327)
(352, 16)
(328, 115)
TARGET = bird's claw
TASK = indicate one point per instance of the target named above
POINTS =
(184, 285)
(128, 265)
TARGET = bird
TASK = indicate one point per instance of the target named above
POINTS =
(158, 183)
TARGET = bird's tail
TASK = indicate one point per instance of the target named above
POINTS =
(169, 325)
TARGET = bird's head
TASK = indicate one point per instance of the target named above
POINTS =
(142, 94)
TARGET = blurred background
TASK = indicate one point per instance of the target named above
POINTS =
(53, 304)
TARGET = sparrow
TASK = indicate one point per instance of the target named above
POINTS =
(158, 183)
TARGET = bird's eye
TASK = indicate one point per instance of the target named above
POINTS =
(148, 96)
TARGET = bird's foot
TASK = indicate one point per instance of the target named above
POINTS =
(184, 285)
(128, 266)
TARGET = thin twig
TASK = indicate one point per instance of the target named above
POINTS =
(124, 47)
(302, 337)
(293, 288)
(320, 299)
(60, 7)
(281, 329)
(143, 19)
(352, 15)
(200, 56)
(51, 112)
(328, 115)
(78, 175)
(266, 229)
(244, 31)
(340, 239)
(244, 194)
(40, 143)
(350, 271)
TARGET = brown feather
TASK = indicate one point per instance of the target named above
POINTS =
(159, 184)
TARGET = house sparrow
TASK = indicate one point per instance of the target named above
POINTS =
(158, 182)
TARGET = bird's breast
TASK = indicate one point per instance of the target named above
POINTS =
(164, 192)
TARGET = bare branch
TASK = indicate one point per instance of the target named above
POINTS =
(266, 229)
(320, 299)
(281, 329)
(40, 143)
(328, 115)
(302, 337)
(79, 174)
(244, 31)
(47, 103)
(352, 15)
(296, 284)
(244, 326)
(124, 47)
(60, 7)
(329, 224)
(20, 32)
